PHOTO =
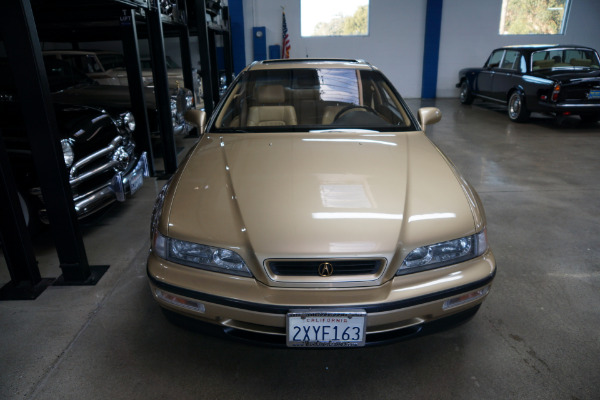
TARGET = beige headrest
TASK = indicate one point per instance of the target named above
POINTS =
(270, 94)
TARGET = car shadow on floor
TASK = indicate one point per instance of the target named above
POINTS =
(560, 123)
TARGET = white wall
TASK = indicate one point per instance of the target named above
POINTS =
(394, 43)
(470, 33)
(396, 34)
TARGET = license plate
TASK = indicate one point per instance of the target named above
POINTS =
(135, 182)
(309, 328)
(594, 94)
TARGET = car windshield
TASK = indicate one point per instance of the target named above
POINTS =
(306, 99)
(147, 64)
(568, 58)
(111, 61)
(62, 76)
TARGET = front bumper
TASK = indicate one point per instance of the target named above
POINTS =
(117, 189)
(245, 308)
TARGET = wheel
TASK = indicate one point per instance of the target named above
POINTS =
(353, 107)
(590, 118)
(30, 210)
(466, 97)
(517, 110)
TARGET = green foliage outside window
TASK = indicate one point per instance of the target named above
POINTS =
(533, 17)
(354, 25)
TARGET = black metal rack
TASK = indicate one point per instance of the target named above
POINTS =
(24, 23)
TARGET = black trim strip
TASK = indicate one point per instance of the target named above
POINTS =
(270, 309)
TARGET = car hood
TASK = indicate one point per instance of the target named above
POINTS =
(315, 195)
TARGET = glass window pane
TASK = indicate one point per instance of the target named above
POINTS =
(534, 17)
(334, 17)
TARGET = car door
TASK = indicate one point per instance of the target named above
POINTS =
(507, 75)
(485, 78)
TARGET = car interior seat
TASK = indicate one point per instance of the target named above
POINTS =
(270, 108)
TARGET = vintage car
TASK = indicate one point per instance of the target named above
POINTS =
(556, 80)
(69, 85)
(315, 212)
(108, 68)
(99, 153)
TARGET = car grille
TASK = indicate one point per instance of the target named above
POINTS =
(310, 268)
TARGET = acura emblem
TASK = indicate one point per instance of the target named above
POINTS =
(325, 269)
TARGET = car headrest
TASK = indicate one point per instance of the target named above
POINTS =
(270, 94)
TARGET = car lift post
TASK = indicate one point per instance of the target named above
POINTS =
(26, 282)
(17, 23)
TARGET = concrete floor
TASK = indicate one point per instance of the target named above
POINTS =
(536, 336)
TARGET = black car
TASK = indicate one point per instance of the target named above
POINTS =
(552, 79)
(98, 148)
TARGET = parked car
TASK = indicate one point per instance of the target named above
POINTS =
(99, 153)
(315, 212)
(71, 86)
(556, 80)
(108, 68)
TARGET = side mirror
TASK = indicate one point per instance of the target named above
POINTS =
(429, 116)
(196, 118)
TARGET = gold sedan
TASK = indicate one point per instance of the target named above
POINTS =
(314, 212)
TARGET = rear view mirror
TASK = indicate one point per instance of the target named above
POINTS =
(429, 116)
(196, 118)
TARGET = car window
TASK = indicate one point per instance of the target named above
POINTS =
(564, 58)
(495, 58)
(510, 61)
(61, 75)
(111, 61)
(306, 99)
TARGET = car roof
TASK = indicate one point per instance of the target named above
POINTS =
(310, 63)
(532, 47)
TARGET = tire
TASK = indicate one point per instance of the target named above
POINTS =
(590, 118)
(466, 97)
(30, 214)
(517, 110)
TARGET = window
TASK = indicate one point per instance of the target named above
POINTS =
(534, 17)
(334, 17)
(509, 59)
(564, 58)
(495, 58)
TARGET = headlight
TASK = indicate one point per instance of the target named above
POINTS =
(157, 211)
(189, 101)
(200, 256)
(67, 152)
(444, 253)
(128, 121)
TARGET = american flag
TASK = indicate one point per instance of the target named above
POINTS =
(285, 50)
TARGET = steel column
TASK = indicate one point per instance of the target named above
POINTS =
(131, 52)
(205, 57)
(25, 279)
(25, 58)
(161, 88)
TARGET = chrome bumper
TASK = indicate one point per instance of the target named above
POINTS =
(117, 189)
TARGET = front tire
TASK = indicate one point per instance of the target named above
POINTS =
(517, 109)
(466, 97)
(590, 118)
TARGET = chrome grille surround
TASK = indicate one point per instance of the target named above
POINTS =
(307, 270)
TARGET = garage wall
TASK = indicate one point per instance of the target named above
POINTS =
(397, 29)
(394, 44)
(396, 38)
(470, 33)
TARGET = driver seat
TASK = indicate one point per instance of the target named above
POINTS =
(270, 110)
(329, 114)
